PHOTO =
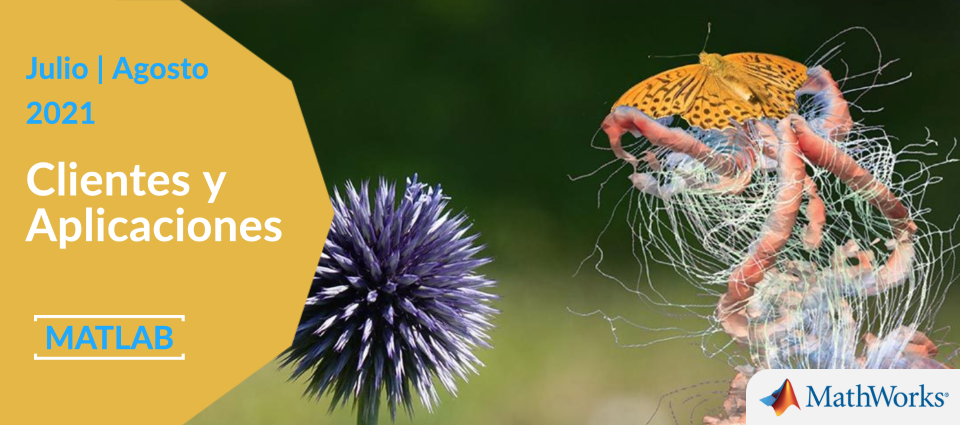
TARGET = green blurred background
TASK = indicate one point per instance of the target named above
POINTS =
(499, 102)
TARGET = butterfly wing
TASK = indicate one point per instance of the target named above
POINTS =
(772, 69)
(715, 105)
(704, 100)
(668, 93)
(777, 77)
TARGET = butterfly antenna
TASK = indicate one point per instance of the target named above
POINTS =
(704, 49)
(671, 56)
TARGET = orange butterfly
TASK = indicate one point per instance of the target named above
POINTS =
(708, 95)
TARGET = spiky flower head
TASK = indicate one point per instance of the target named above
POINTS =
(395, 302)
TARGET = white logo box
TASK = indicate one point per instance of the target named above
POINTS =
(906, 404)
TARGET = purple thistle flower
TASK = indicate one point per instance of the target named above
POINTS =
(395, 302)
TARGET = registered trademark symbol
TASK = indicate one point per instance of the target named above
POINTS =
(946, 394)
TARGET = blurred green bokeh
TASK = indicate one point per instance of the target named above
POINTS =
(499, 102)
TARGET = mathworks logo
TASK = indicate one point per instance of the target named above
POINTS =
(875, 396)
(861, 396)
(852, 396)
(782, 398)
